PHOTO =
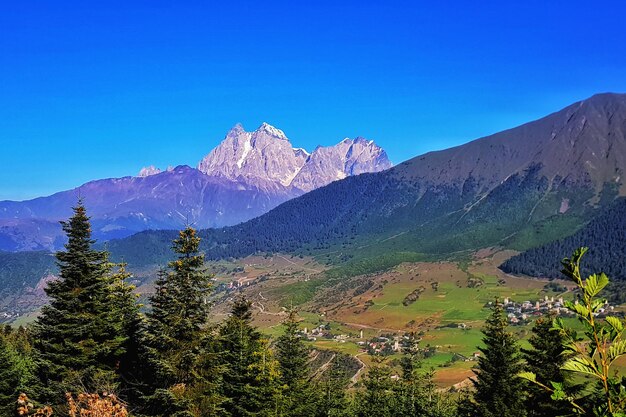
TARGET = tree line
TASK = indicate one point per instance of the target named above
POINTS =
(92, 352)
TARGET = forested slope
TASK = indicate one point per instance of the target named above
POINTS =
(605, 236)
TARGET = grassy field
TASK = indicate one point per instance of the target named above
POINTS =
(450, 295)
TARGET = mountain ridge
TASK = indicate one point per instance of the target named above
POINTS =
(166, 199)
(266, 154)
(521, 187)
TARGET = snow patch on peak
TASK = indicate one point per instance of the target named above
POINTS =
(247, 147)
(272, 131)
(147, 171)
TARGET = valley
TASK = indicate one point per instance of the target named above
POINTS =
(312, 209)
(352, 314)
(383, 264)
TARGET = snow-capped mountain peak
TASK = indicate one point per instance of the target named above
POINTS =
(272, 131)
(259, 159)
(246, 175)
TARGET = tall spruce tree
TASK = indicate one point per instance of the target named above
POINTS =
(333, 401)
(238, 340)
(379, 398)
(499, 391)
(293, 357)
(416, 393)
(9, 376)
(411, 396)
(78, 335)
(264, 391)
(123, 303)
(17, 365)
(545, 358)
(176, 336)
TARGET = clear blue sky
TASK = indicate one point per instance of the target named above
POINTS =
(99, 89)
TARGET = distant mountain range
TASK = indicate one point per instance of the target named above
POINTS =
(549, 186)
(516, 189)
(248, 174)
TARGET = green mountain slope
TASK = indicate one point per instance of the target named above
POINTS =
(519, 188)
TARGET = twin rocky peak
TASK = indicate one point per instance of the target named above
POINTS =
(265, 157)
(247, 175)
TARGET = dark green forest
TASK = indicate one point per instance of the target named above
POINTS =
(93, 352)
(381, 206)
(606, 235)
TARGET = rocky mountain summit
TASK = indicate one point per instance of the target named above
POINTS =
(266, 156)
(246, 175)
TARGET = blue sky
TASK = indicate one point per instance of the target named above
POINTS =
(99, 89)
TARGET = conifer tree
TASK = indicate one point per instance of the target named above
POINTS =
(9, 377)
(333, 401)
(176, 336)
(499, 391)
(379, 396)
(416, 393)
(239, 343)
(544, 359)
(125, 311)
(293, 358)
(411, 397)
(77, 336)
(263, 394)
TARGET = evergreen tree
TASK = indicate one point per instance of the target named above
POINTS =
(411, 396)
(122, 301)
(379, 396)
(240, 344)
(499, 391)
(263, 394)
(177, 334)
(293, 357)
(545, 358)
(78, 334)
(333, 401)
(417, 394)
(9, 377)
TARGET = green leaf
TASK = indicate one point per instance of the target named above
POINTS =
(571, 266)
(603, 281)
(557, 385)
(597, 304)
(530, 376)
(581, 310)
(580, 365)
(595, 283)
(558, 395)
(570, 347)
(615, 323)
(558, 324)
(617, 349)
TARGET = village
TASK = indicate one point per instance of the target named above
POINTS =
(522, 313)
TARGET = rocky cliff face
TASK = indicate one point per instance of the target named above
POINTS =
(348, 157)
(266, 156)
(248, 174)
